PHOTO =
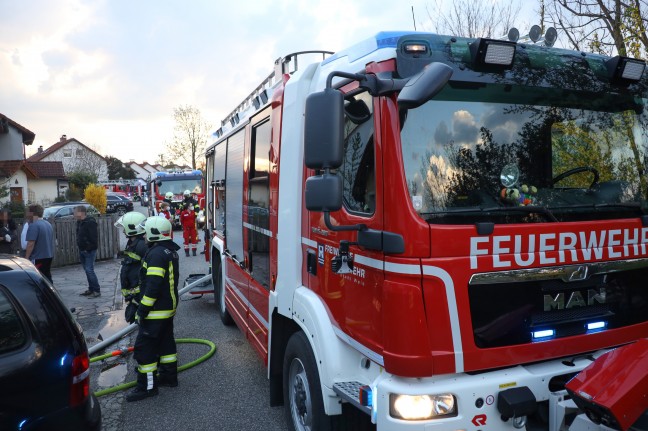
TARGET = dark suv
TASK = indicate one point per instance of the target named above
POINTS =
(44, 364)
(118, 204)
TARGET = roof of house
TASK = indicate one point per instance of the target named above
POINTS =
(10, 167)
(60, 144)
(27, 135)
(48, 169)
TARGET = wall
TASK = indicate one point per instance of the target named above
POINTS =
(11, 146)
(44, 190)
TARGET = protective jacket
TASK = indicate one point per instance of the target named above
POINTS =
(159, 281)
(136, 248)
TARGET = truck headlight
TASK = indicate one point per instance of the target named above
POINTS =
(422, 407)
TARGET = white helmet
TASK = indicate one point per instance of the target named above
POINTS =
(187, 193)
(157, 229)
(168, 195)
(131, 223)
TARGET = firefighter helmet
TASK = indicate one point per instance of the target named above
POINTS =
(187, 193)
(131, 223)
(168, 195)
(157, 229)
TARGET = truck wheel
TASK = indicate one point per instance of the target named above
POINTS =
(219, 292)
(302, 392)
(121, 210)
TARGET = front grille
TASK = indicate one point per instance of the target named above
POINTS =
(506, 313)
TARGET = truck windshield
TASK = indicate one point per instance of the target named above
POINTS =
(501, 153)
(178, 186)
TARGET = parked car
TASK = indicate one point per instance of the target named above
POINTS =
(66, 210)
(118, 204)
(122, 194)
(44, 364)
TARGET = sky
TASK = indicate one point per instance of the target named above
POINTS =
(109, 72)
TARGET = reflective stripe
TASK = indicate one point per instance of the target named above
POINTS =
(148, 301)
(155, 270)
(167, 359)
(147, 368)
(161, 314)
(171, 285)
(133, 255)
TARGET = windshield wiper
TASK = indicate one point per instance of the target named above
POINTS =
(528, 209)
(630, 205)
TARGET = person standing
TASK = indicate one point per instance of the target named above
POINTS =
(87, 241)
(189, 230)
(132, 261)
(40, 241)
(159, 283)
(165, 211)
(7, 231)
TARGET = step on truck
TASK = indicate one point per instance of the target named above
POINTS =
(438, 232)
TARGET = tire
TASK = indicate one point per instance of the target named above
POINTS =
(303, 402)
(219, 292)
(121, 210)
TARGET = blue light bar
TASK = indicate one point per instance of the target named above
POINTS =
(545, 333)
(596, 326)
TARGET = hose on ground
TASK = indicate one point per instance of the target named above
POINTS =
(209, 354)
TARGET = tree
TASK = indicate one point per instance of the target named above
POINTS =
(190, 135)
(603, 26)
(473, 18)
(117, 169)
(79, 180)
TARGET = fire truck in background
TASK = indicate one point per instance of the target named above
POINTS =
(440, 232)
(132, 189)
(160, 183)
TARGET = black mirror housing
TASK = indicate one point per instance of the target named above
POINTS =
(323, 130)
(424, 85)
(323, 192)
(387, 242)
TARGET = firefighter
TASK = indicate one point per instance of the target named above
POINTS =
(189, 230)
(132, 261)
(188, 199)
(159, 284)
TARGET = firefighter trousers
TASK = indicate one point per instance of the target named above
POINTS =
(155, 345)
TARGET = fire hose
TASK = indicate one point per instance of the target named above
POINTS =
(130, 328)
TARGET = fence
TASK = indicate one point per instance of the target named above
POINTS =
(67, 252)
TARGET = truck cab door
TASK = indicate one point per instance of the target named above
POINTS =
(354, 298)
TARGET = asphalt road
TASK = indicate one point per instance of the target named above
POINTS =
(229, 391)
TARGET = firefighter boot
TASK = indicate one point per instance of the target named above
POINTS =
(140, 392)
(194, 251)
(168, 375)
(186, 252)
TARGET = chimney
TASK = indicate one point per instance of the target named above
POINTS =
(63, 138)
(40, 149)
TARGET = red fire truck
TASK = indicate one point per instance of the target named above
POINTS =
(438, 231)
(161, 183)
(130, 188)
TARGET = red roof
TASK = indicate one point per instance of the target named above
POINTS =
(48, 169)
(60, 144)
(10, 167)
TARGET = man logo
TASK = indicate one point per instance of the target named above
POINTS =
(576, 299)
(579, 273)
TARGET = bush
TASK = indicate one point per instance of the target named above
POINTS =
(96, 195)
(74, 194)
(17, 209)
(59, 199)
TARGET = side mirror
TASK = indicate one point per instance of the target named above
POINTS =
(323, 192)
(424, 85)
(323, 130)
(158, 183)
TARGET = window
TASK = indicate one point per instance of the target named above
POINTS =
(259, 204)
(67, 154)
(80, 153)
(12, 331)
(358, 167)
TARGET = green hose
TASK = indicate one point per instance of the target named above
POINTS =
(209, 354)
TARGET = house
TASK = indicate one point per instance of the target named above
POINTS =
(24, 181)
(144, 170)
(49, 176)
(75, 157)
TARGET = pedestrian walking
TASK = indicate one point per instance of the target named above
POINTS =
(87, 241)
(189, 230)
(132, 260)
(155, 343)
(7, 231)
(40, 241)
